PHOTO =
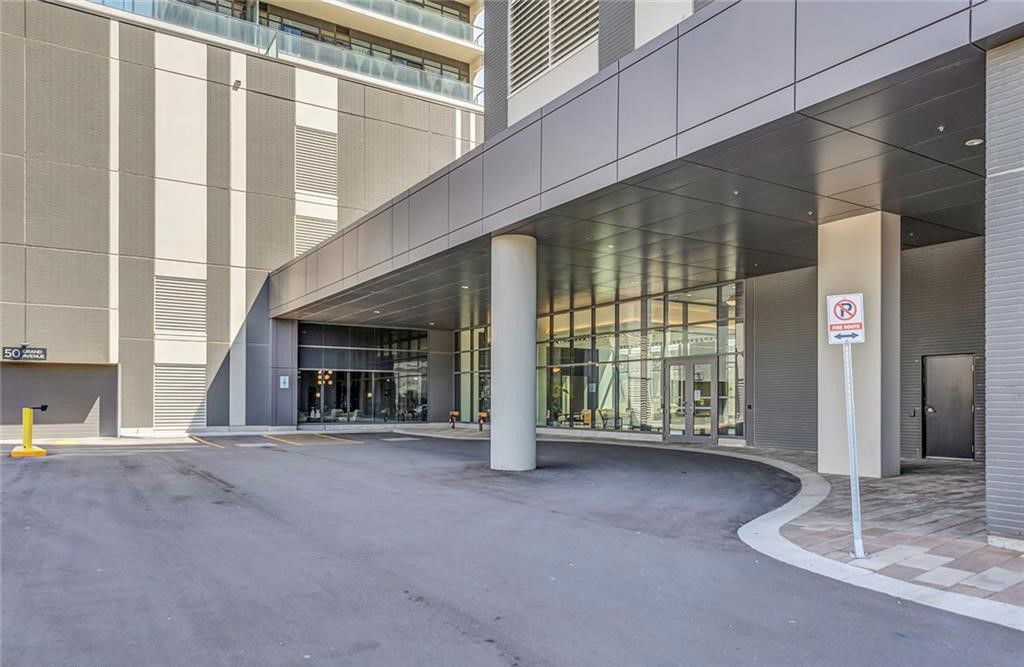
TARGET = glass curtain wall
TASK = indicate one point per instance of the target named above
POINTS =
(600, 367)
(472, 373)
(360, 374)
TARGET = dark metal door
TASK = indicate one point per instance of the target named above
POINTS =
(949, 406)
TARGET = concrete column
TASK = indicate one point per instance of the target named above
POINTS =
(513, 352)
(861, 254)
(1004, 296)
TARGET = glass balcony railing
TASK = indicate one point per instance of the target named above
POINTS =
(275, 43)
(406, 13)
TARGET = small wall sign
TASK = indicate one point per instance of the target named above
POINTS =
(282, 381)
(24, 353)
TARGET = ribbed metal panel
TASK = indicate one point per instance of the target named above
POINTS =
(782, 367)
(270, 145)
(311, 231)
(135, 311)
(269, 237)
(179, 306)
(942, 312)
(179, 397)
(617, 29)
(76, 30)
(136, 358)
(67, 206)
(12, 199)
(316, 160)
(12, 101)
(496, 66)
(1004, 289)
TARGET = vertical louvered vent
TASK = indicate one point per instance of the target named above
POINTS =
(542, 33)
(179, 306)
(529, 41)
(179, 397)
(311, 231)
(316, 161)
(573, 23)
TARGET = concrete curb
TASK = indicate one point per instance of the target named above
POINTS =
(763, 534)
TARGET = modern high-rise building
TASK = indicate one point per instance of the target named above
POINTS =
(161, 157)
(643, 245)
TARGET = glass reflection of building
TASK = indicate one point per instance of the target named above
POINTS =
(600, 366)
(361, 374)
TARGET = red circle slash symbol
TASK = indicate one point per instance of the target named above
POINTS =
(845, 309)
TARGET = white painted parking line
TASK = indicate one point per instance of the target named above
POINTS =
(399, 439)
(254, 444)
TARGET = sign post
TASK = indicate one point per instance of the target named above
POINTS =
(846, 327)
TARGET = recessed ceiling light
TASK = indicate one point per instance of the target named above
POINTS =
(810, 212)
(376, 312)
(941, 128)
(735, 192)
(430, 323)
(611, 245)
(465, 286)
(974, 142)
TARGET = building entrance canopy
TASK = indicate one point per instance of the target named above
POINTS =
(620, 210)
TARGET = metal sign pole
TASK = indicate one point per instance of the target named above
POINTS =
(851, 440)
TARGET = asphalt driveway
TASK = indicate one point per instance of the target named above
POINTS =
(376, 550)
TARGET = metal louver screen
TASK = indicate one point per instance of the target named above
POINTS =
(573, 23)
(311, 231)
(316, 160)
(179, 397)
(179, 306)
(529, 46)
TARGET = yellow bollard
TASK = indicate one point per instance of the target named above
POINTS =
(26, 448)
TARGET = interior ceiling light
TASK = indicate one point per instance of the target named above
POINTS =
(376, 312)
(465, 286)
(974, 142)
(430, 323)
(611, 245)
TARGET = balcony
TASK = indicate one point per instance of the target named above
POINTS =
(278, 44)
(421, 18)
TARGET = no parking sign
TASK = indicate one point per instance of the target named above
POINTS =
(845, 318)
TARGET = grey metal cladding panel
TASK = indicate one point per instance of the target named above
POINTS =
(218, 378)
(465, 186)
(512, 169)
(136, 359)
(12, 324)
(218, 132)
(994, 23)
(218, 304)
(397, 108)
(135, 298)
(428, 214)
(828, 33)
(397, 158)
(942, 307)
(496, 66)
(351, 97)
(67, 278)
(580, 136)
(352, 167)
(269, 230)
(12, 199)
(616, 30)
(257, 389)
(12, 94)
(69, 334)
(647, 100)
(70, 90)
(136, 215)
(136, 119)
(270, 145)
(12, 17)
(76, 215)
(784, 326)
(374, 239)
(135, 45)
(218, 226)
(399, 230)
(269, 78)
(742, 54)
(257, 319)
(1004, 288)
(67, 27)
(218, 65)
(12, 273)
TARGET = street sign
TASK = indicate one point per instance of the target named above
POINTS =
(846, 326)
(24, 353)
(845, 318)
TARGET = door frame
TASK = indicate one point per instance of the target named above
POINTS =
(688, 363)
(924, 404)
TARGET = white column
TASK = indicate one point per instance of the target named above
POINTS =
(861, 254)
(513, 352)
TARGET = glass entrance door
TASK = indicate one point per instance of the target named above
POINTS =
(690, 413)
